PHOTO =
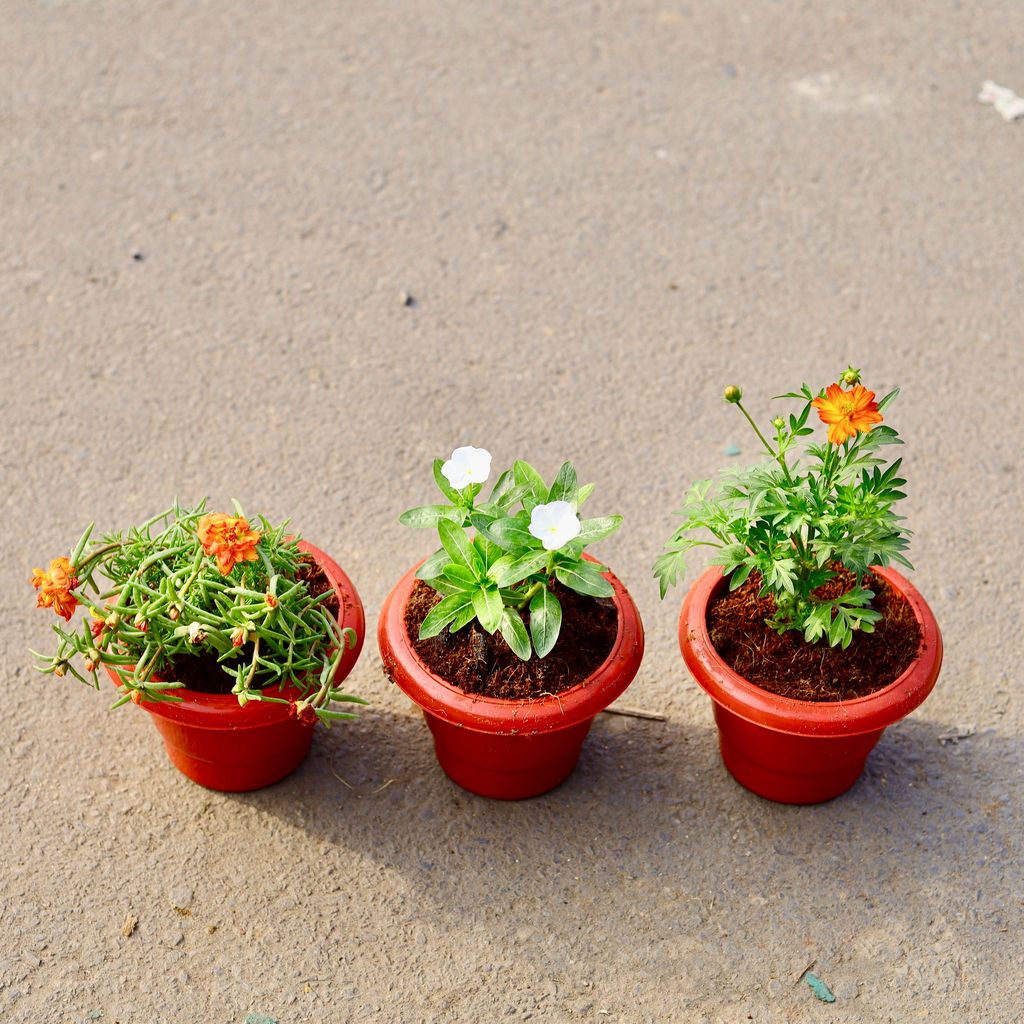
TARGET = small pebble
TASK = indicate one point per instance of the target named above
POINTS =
(406, 299)
(847, 990)
(138, 256)
(180, 896)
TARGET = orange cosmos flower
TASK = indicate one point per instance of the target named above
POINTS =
(55, 585)
(847, 413)
(229, 539)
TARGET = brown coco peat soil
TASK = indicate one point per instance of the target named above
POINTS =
(204, 674)
(786, 664)
(486, 665)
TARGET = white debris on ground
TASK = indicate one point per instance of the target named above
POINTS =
(1007, 103)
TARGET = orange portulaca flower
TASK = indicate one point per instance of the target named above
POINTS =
(847, 413)
(229, 539)
(55, 585)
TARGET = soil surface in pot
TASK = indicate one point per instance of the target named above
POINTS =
(202, 672)
(478, 663)
(785, 664)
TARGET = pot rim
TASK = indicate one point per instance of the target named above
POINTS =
(222, 711)
(870, 713)
(479, 713)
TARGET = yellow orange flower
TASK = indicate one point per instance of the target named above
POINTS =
(55, 585)
(847, 413)
(229, 539)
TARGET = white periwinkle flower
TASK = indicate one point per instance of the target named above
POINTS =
(555, 524)
(467, 466)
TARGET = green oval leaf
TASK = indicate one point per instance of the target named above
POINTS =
(545, 621)
(584, 579)
(430, 515)
(514, 633)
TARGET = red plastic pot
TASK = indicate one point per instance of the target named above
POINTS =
(508, 749)
(221, 745)
(795, 751)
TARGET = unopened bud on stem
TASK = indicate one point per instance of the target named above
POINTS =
(732, 394)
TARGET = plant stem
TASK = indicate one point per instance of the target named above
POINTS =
(778, 456)
(757, 430)
(255, 660)
(536, 588)
(98, 553)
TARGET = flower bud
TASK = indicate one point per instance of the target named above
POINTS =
(242, 700)
(195, 633)
(173, 613)
(60, 669)
(850, 376)
(136, 696)
(305, 712)
(271, 600)
(239, 636)
(732, 394)
(778, 423)
(112, 621)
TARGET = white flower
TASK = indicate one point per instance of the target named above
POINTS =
(554, 524)
(467, 466)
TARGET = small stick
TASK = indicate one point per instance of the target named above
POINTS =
(653, 716)
(800, 976)
(380, 789)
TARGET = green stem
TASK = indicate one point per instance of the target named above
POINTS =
(98, 553)
(540, 584)
(777, 455)
(252, 667)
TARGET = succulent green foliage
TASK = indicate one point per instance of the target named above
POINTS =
(792, 518)
(152, 594)
(490, 568)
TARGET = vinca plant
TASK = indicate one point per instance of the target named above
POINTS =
(499, 557)
(188, 583)
(795, 517)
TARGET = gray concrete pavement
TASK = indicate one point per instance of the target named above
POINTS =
(604, 212)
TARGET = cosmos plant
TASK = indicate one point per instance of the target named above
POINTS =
(795, 520)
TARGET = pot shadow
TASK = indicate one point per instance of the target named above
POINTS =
(650, 803)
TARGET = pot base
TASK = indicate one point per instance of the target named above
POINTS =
(510, 767)
(240, 760)
(791, 769)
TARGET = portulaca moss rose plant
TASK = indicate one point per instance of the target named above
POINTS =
(498, 557)
(203, 600)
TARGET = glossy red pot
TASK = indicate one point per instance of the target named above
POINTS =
(508, 749)
(795, 751)
(221, 745)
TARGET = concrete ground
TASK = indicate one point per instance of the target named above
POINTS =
(603, 212)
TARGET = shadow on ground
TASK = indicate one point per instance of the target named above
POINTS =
(651, 800)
